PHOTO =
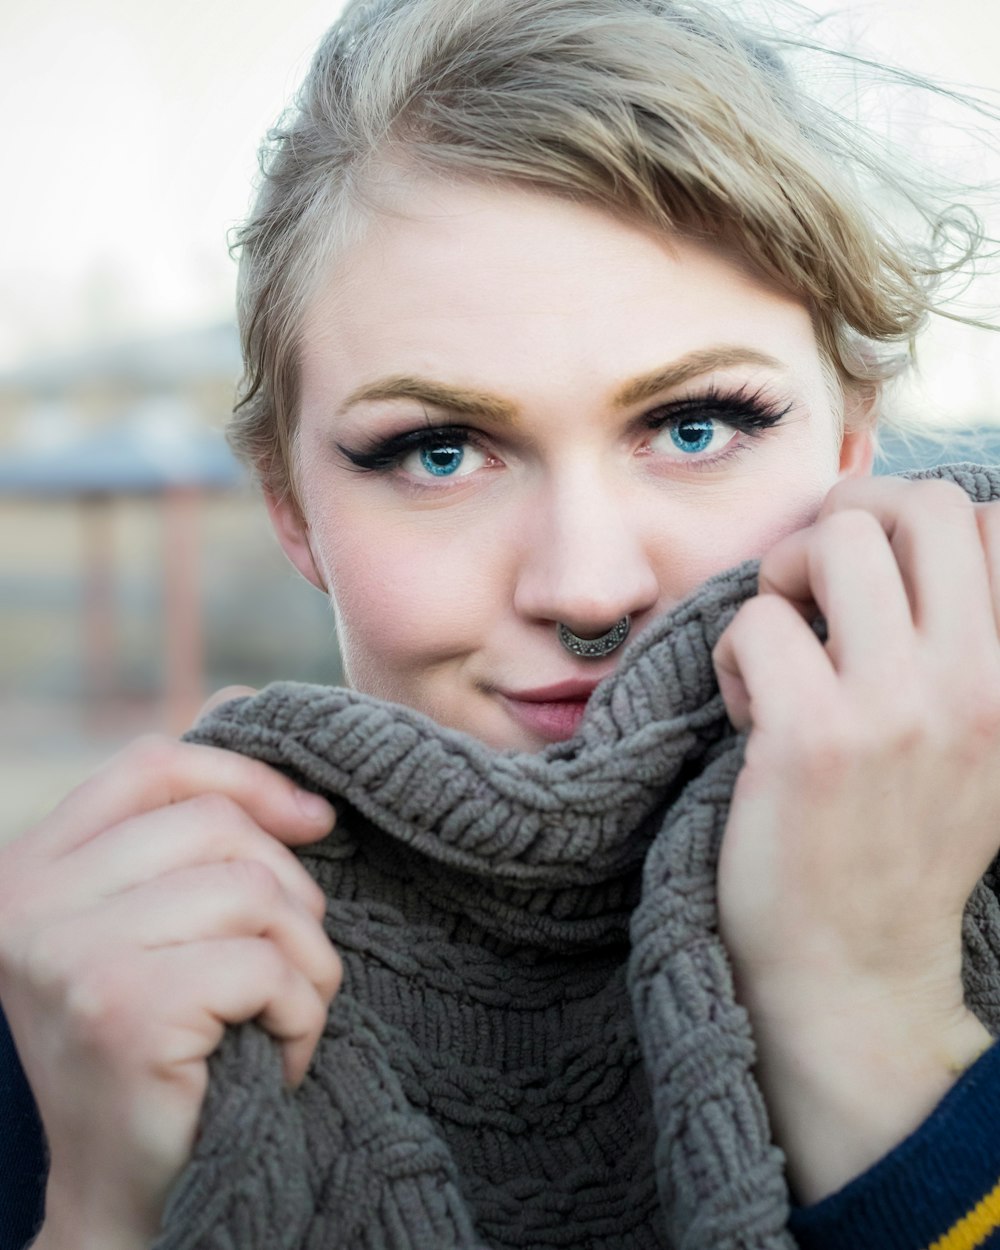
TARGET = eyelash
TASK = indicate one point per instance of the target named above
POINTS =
(743, 410)
(389, 453)
(746, 411)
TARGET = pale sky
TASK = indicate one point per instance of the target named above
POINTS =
(130, 144)
(131, 133)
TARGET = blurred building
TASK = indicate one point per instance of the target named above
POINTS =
(137, 567)
(57, 397)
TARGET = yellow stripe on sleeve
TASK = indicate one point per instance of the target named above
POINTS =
(973, 1229)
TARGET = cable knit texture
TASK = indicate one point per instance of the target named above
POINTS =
(537, 1042)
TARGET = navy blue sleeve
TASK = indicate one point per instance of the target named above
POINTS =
(939, 1188)
(23, 1162)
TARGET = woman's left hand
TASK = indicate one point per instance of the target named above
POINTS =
(867, 809)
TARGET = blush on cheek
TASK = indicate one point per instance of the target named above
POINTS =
(376, 623)
(746, 533)
(402, 609)
(774, 529)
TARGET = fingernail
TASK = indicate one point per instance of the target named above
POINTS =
(315, 807)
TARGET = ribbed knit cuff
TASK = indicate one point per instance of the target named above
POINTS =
(939, 1188)
(23, 1163)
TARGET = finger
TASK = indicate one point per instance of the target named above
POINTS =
(205, 986)
(845, 566)
(225, 695)
(156, 772)
(932, 530)
(770, 665)
(239, 899)
(207, 829)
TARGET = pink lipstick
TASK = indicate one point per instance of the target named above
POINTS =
(550, 712)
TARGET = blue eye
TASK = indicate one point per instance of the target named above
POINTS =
(693, 436)
(442, 460)
(422, 453)
(442, 456)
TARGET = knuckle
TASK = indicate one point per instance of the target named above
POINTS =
(771, 559)
(152, 753)
(217, 812)
(759, 612)
(316, 1021)
(823, 754)
(313, 894)
(760, 608)
(903, 726)
(43, 960)
(314, 1008)
(330, 983)
(943, 492)
(981, 719)
(859, 494)
(273, 968)
(988, 525)
(825, 764)
(221, 696)
(102, 1007)
(988, 514)
(854, 526)
(255, 880)
(840, 493)
(905, 735)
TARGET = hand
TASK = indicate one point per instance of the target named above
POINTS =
(153, 906)
(867, 810)
(223, 695)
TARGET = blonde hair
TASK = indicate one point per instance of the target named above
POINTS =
(671, 113)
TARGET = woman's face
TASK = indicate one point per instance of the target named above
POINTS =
(517, 411)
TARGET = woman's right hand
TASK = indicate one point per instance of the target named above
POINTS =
(154, 905)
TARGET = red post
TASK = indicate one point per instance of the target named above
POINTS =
(98, 607)
(183, 648)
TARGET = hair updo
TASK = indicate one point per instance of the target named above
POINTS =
(669, 112)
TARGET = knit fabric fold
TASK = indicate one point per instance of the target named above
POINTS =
(537, 1042)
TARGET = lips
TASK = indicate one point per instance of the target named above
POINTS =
(552, 713)
(573, 691)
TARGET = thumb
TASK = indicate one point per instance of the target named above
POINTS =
(222, 696)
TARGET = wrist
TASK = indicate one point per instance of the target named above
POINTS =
(66, 1237)
(75, 1222)
(844, 1088)
(931, 1188)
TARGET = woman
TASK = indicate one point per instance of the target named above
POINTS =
(552, 310)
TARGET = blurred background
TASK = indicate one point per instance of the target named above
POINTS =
(137, 571)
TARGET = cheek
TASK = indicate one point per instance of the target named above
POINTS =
(759, 533)
(406, 596)
(743, 529)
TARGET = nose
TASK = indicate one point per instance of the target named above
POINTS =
(586, 560)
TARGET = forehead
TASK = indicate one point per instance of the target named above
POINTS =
(481, 285)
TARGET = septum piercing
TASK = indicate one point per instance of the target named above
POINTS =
(595, 648)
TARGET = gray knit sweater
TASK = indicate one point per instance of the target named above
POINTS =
(537, 1042)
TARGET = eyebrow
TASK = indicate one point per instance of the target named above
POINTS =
(693, 365)
(483, 405)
